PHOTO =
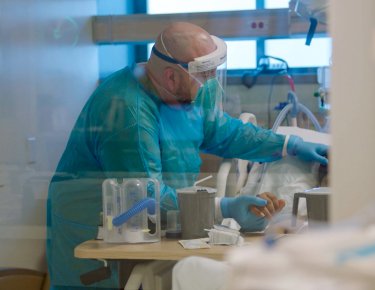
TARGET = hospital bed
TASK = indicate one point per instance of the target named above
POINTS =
(283, 177)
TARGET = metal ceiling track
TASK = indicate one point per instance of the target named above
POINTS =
(247, 24)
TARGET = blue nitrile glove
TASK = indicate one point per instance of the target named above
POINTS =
(306, 151)
(238, 208)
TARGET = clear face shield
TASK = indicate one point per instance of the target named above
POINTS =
(208, 70)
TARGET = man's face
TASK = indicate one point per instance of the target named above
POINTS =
(187, 90)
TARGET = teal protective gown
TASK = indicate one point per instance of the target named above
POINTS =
(125, 131)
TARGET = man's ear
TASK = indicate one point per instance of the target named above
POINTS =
(170, 79)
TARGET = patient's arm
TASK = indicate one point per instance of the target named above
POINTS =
(274, 205)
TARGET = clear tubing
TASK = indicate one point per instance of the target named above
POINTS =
(281, 116)
(311, 116)
(301, 108)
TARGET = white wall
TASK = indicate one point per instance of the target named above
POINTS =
(353, 104)
(48, 68)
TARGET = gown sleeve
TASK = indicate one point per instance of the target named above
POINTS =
(228, 137)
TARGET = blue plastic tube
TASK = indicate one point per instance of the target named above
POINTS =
(148, 203)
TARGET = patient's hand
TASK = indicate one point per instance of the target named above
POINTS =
(274, 205)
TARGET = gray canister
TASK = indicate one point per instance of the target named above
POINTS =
(197, 211)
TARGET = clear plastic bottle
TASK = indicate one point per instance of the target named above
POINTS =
(133, 193)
